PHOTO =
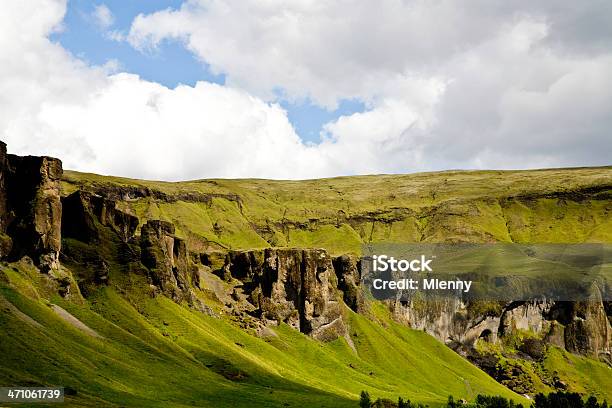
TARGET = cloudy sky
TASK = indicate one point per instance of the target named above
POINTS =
(301, 89)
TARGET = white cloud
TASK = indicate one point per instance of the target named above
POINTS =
(186, 132)
(116, 123)
(349, 48)
(102, 16)
(116, 35)
(506, 76)
(446, 87)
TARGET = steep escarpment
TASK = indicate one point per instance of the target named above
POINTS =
(292, 286)
(580, 327)
(170, 268)
(340, 215)
(82, 210)
(514, 341)
(99, 237)
(587, 328)
(348, 273)
(30, 217)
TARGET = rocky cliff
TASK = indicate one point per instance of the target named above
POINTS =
(5, 241)
(579, 327)
(293, 286)
(82, 210)
(110, 237)
(30, 208)
(165, 255)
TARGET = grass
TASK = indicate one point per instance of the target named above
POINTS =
(163, 354)
(340, 214)
(581, 374)
(155, 353)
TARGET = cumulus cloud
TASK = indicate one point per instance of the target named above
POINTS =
(518, 84)
(487, 86)
(116, 123)
(186, 132)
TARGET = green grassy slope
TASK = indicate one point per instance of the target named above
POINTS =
(339, 214)
(579, 374)
(153, 352)
(583, 375)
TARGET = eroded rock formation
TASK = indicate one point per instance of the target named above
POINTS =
(584, 327)
(165, 255)
(30, 208)
(82, 211)
(579, 327)
(348, 273)
(6, 242)
(294, 286)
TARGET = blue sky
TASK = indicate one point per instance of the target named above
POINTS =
(171, 64)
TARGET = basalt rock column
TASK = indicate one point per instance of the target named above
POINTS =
(33, 208)
(294, 286)
(165, 255)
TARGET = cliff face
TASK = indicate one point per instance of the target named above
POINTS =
(348, 273)
(82, 210)
(579, 327)
(5, 241)
(31, 208)
(166, 257)
(110, 238)
(170, 267)
(294, 286)
(587, 328)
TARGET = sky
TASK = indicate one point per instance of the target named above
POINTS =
(177, 90)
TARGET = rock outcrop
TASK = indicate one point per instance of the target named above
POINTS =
(447, 319)
(530, 316)
(347, 268)
(82, 211)
(165, 255)
(293, 286)
(584, 327)
(30, 208)
(6, 242)
(579, 327)
(170, 267)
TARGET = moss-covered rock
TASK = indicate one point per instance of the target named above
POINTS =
(84, 211)
(293, 286)
(30, 208)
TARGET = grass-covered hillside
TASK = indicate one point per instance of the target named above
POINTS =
(339, 214)
(112, 338)
(127, 349)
